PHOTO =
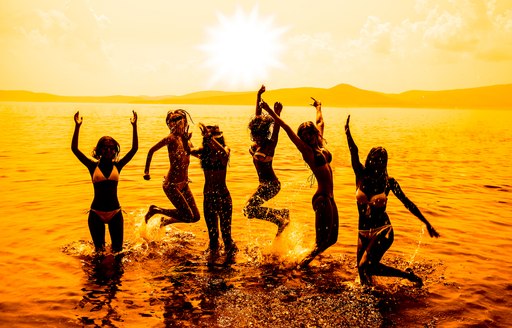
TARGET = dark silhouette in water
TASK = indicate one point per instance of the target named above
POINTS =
(217, 204)
(375, 231)
(262, 151)
(104, 273)
(105, 170)
(176, 181)
(309, 141)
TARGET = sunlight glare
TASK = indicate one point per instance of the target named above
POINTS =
(243, 48)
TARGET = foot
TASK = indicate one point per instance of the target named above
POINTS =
(212, 256)
(230, 254)
(418, 282)
(152, 211)
(283, 223)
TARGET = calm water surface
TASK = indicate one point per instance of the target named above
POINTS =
(454, 164)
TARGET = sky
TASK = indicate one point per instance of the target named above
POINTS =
(162, 47)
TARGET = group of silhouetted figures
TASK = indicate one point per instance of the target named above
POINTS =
(373, 185)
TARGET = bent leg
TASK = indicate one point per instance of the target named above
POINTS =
(186, 209)
(254, 210)
(326, 225)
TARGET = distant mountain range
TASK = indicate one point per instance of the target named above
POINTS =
(343, 95)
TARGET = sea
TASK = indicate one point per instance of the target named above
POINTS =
(454, 164)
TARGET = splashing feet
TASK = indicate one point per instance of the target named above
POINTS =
(152, 211)
(230, 254)
(284, 222)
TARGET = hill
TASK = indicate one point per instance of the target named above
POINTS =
(343, 95)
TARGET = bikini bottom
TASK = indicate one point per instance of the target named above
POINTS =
(106, 216)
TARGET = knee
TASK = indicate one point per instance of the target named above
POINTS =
(249, 211)
(191, 217)
(195, 218)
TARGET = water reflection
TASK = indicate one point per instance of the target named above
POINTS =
(104, 276)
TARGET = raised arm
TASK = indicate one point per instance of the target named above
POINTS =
(165, 141)
(74, 142)
(301, 146)
(258, 100)
(319, 117)
(354, 151)
(135, 143)
(222, 151)
(395, 187)
(278, 107)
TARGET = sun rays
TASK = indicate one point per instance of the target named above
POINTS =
(242, 49)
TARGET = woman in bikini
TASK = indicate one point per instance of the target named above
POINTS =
(262, 152)
(217, 205)
(309, 141)
(176, 181)
(375, 231)
(104, 170)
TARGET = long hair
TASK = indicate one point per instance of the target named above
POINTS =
(310, 128)
(208, 157)
(375, 169)
(96, 152)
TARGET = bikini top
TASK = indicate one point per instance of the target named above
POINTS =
(98, 176)
(322, 157)
(260, 156)
(379, 200)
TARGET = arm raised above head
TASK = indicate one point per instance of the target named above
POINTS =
(354, 151)
(320, 124)
(74, 142)
(258, 100)
(135, 143)
(278, 107)
(301, 146)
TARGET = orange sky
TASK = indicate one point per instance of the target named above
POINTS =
(157, 47)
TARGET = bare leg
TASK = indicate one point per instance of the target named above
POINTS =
(326, 224)
(181, 197)
(254, 210)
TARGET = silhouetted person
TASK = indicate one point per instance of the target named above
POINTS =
(309, 141)
(375, 231)
(105, 170)
(217, 204)
(176, 181)
(262, 152)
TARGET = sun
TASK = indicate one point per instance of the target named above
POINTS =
(242, 49)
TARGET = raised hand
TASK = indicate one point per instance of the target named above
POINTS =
(278, 107)
(78, 119)
(265, 106)
(204, 130)
(133, 120)
(262, 89)
(315, 102)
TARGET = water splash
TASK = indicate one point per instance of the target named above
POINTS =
(416, 251)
